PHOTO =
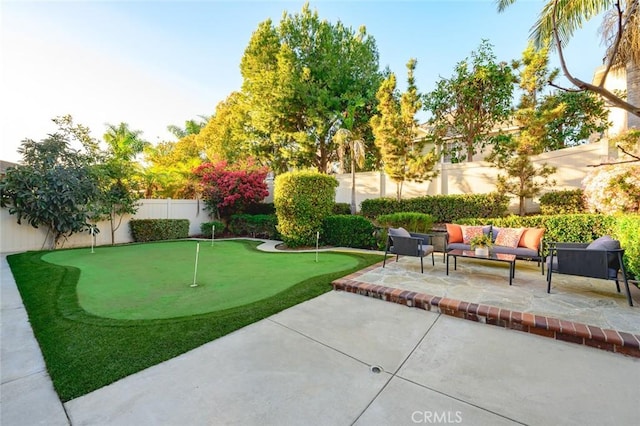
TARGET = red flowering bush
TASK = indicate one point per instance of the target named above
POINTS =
(229, 189)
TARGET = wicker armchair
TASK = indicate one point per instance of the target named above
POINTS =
(403, 243)
(601, 259)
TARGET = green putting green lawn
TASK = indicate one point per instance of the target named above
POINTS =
(154, 280)
(102, 316)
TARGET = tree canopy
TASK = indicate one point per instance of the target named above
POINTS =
(466, 107)
(55, 184)
(299, 78)
(558, 21)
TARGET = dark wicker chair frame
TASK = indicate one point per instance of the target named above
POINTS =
(575, 259)
(418, 245)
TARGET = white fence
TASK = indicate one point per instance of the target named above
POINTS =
(475, 177)
(14, 237)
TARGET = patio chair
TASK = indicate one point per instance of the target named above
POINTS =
(404, 243)
(603, 259)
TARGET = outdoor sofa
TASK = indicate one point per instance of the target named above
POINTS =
(524, 243)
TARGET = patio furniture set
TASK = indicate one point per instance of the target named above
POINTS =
(601, 259)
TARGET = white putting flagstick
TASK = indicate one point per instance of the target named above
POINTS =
(317, 244)
(195, 272)
(213, 233)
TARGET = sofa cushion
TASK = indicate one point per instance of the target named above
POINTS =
(494, 233)
(521, 252)
(468, 232)
(531, 238)
(458, 246)
(455, 233)
(509, 237)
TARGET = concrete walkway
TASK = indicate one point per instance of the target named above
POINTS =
(339, 359)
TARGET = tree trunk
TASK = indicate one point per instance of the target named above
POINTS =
(353, 186)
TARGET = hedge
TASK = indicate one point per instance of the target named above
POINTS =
(411, 221)
(443, 208)
(348, 231)
(303, 200)
(563, 202)
(158, 229)
(207, 227)
(579, 228)
(341, 208)
(260, 208)
(254, 225)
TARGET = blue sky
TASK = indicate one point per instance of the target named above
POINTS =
(155, 63)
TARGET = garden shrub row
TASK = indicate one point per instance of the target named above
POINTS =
(443, 208)
(143, 230)
(411, 221)
(207, 227)
(348, 231)
(563, 202)
(254, 225)
(260, 208)
(579, 228)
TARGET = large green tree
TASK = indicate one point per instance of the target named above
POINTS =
(558, 21)
(55, 184)
(468, 106)
(299, 77)
(226, 135)
(395, 131)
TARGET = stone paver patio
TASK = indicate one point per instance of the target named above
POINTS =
(583, 310)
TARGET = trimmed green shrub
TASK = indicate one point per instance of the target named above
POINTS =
(254, 225)
(563, 202)
(207, 227)
(260, 208)
(348, 231)
(341, 208)
(627, 230)
(303, 200)
(374, 207)
(411, 221)
(158, 229)
(443, 208)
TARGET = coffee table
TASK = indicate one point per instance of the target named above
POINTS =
(496, 257)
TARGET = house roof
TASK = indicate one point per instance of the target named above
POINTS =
(4, 165)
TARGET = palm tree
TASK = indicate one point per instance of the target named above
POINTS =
(346, 140)
(191, 127)
(559, 19)
(123, 142)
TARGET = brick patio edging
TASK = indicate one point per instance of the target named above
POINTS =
(568, 331)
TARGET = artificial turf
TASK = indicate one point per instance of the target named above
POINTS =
(154, 280)
(84, 351)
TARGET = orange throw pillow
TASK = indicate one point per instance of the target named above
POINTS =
(455, 233)
(531, 238)
(468, 232)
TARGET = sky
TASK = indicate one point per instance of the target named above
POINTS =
(156, 63)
